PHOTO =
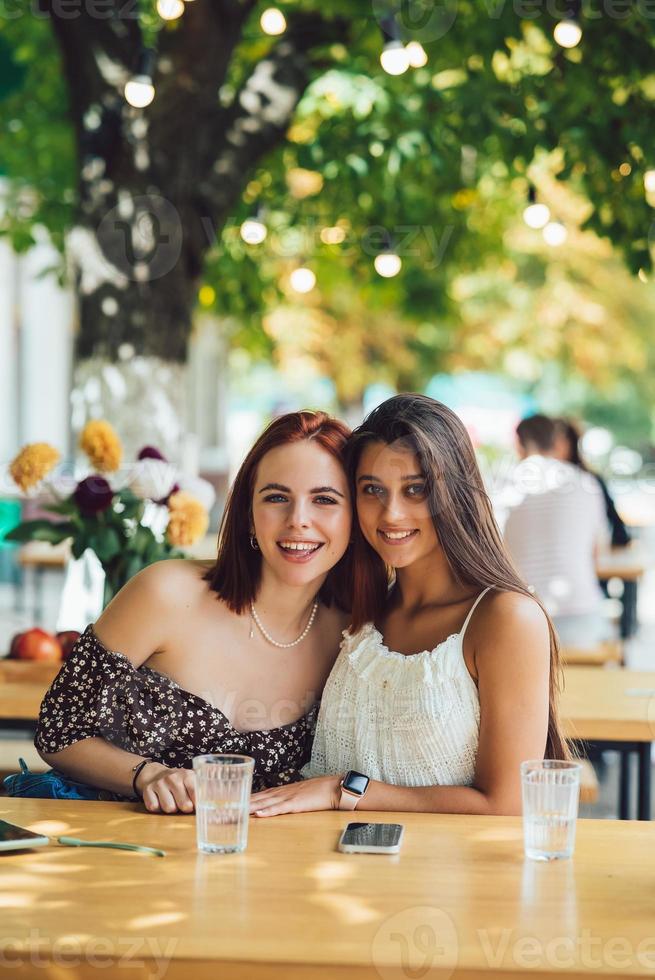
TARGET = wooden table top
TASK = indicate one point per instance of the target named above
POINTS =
(609, 704)
(21, 700)
(627, 563)
(35, 554)
(459, 897)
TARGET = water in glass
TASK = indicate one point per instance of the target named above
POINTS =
(550, 790)
(223, 784)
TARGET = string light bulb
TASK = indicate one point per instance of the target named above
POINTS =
(170, 9)
(302, 279)
(387, 264)
(568, 32)
(555, 233)
(535, 215)
(416, 54)
(139, 89)
(253, 231)
(649, 181)
(273, 22)
(394, 58)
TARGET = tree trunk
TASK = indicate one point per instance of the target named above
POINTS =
(158, 184)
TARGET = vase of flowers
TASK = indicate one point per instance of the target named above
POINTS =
(128, 518)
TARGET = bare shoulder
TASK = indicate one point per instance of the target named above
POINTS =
(509, 610)
(138, 620)
(509, 623)
(174, 581)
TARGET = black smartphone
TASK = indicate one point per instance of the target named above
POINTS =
(13, 838)
(371, 838)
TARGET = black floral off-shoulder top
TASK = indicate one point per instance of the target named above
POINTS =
(99, 692)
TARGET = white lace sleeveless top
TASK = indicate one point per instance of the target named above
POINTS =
(409, 720)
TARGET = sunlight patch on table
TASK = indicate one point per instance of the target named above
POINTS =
(348, 909)
(158, 919)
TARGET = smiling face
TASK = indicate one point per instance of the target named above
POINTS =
(301, 513)
(392, 505)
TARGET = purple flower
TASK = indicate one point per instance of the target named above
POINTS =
(149, 452)
(93, 495)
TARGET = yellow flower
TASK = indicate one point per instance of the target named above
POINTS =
(33, 462)
(188, 521)
(101, 444)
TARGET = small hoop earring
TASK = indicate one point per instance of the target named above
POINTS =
(253, 543)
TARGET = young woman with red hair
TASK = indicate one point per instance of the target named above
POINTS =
(230, 656)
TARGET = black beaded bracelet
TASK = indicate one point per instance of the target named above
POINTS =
(136, 770)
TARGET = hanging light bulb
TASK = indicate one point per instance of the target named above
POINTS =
(535, 215)
(387, 264)
(170, 9)
(139, 89)
(253, 231)
(568, 32)
(302, 279)
(416, 54)
(273, 22)
(555, 233)
(394, 58)
(649, 181)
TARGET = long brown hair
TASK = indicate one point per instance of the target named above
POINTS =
(461, 512)
(236, 574)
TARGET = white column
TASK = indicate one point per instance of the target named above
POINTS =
(9, 435)
(47, 317)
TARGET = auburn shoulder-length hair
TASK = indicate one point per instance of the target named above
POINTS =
(236, 574)
(461, 512)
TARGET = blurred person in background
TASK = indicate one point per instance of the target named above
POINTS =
(555, 527)
(566, 447)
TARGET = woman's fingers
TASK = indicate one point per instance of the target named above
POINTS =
(190, 785)
(150, 800)
(275, 809)
(167, 801)
(176, 784)
(260, 802)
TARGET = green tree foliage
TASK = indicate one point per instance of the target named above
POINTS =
(439, 160)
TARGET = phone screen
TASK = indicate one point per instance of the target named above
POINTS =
(10, 832)
(372, 834)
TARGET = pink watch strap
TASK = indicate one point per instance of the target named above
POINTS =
(348, 800)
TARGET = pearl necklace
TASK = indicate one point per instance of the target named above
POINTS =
(267, 635)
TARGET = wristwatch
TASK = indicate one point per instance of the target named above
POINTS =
(353, 786)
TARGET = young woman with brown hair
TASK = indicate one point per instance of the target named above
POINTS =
(448, 679)
(227, 657)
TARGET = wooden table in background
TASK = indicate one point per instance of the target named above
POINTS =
(629, 565)
(458, 900)
(616, 709)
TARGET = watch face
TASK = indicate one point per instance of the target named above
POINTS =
(356, 782)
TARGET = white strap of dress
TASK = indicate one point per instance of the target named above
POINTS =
(472, 610)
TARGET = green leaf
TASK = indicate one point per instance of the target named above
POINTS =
(65, 507)
(78, 547)
(141, 540)
(106, 543)
(41, 531)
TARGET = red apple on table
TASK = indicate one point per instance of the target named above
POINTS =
(37, 644)
(13, 649)
(67, 640)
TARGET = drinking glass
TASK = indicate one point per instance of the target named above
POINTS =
(223, 784)
(550, 791)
